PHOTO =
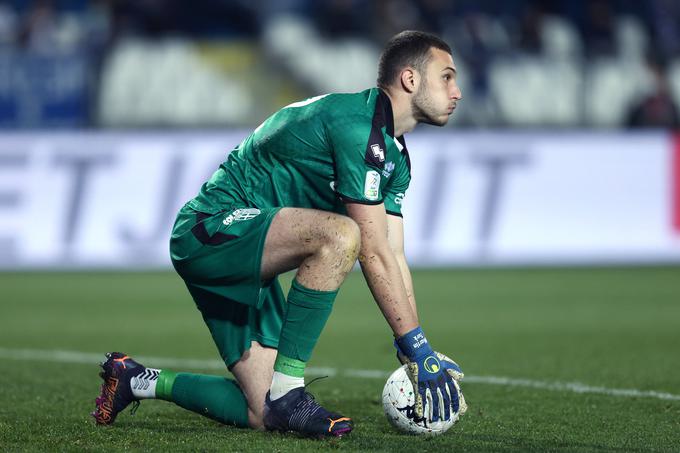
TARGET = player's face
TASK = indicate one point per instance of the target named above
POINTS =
(438, 92)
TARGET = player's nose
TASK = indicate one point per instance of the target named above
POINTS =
(456, 93)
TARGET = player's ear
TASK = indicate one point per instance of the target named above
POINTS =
(409, 80)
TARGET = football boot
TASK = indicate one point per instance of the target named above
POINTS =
(299, 412)
(116, 392)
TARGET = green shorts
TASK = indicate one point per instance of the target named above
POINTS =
(219, 256)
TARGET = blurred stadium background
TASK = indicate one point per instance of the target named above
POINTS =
(122, 108)
(562, 154)
(102, 64)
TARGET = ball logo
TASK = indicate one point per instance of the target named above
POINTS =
(432, 365)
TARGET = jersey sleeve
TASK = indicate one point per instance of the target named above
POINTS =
(395, 191)
(358, 153)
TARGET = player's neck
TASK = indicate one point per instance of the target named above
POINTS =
(404, 121)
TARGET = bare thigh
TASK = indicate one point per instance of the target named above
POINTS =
(322, 245)
(254, 375)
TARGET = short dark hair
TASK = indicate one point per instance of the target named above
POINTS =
(408, 48)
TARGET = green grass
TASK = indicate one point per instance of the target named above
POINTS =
(614, 328)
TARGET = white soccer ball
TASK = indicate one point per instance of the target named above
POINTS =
(399, 405)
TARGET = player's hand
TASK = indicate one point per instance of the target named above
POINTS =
(457, 374)
(437, 391)
(448, 364)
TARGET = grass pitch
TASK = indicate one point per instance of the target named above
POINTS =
(523, 337)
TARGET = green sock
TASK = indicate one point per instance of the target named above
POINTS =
(306, 315)
(288, 366)
(166, 379)
(211, 396)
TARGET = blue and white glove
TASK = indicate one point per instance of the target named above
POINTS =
(433, 375)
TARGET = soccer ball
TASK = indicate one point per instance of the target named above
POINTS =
(399, 405)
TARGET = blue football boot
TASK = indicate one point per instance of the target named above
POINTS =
(299, 412)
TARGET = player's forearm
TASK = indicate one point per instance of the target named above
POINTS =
(384, 278)
(408, 282)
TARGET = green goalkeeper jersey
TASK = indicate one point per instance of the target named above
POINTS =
(318, 153)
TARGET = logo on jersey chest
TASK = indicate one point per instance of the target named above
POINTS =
(389, 168)
(378, 152)
(375, 151)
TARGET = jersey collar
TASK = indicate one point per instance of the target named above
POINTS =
(383, 113)
(384, 116)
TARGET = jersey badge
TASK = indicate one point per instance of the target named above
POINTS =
(378, 153)
(372, 185)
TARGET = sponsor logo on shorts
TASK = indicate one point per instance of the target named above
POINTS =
(240, 215)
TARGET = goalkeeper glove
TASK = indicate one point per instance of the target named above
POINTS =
(432, 374)
(448, 364)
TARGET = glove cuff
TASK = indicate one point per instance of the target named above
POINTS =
(414, 344)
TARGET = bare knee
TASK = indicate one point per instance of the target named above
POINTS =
(343, 239)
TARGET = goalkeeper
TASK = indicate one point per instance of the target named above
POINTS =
(319, 184)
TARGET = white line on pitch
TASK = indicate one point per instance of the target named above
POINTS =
(89, 358)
